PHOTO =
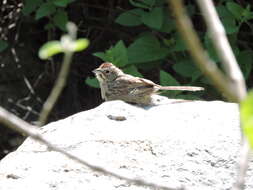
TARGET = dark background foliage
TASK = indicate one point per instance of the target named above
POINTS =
(139, 36)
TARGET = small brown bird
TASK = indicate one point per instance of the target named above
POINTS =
(116, 85)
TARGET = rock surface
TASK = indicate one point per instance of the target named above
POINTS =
(191, 143)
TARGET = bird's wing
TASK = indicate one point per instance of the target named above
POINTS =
(135, 85)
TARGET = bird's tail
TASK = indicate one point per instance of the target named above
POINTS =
(183, 88)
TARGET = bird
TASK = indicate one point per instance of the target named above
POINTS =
(117, 85)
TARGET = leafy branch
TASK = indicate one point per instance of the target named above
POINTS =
(68, 45)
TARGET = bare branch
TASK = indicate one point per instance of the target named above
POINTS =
(232, 85)
(58, 87)
(206, 65)
(224, 50)
(23, 127)
(243, 165)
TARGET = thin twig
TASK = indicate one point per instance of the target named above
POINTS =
(61, 80)
(224, 50)
(10, 120)
(233, 85)
(243, 165)
(205, 64)
(58, 87)
(29, 86)
(231, 67)
(19, 105)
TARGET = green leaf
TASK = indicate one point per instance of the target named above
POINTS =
(147, 66)
(30, 6)
(80, 44)
(49, 49)
(130, 18)
(101, 55)
(93, 82)
(61, 3)
(49, 26)
(144, 4)
(228, 20)
(60, 19)
(118, 54)
(69, 45)
(230, 25)
(210, 48)
(45, 9)
(247, 14)
(234, 44)
(235, 9)
(179, 44)
(223, 12)
(132, 70)
(245, 60)
(3, 45)
(150, 3)
(246, 112)
(186, 69)
(145, 49)
(168, 24)
(188, 97)
(160, 3)
(153, 18)
(167, 80)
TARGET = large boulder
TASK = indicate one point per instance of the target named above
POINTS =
(189, 143)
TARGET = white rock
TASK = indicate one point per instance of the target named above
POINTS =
(190, 143)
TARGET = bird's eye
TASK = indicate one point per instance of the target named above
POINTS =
(107, 71)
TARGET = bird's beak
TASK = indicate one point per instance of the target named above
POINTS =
(96, 70)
